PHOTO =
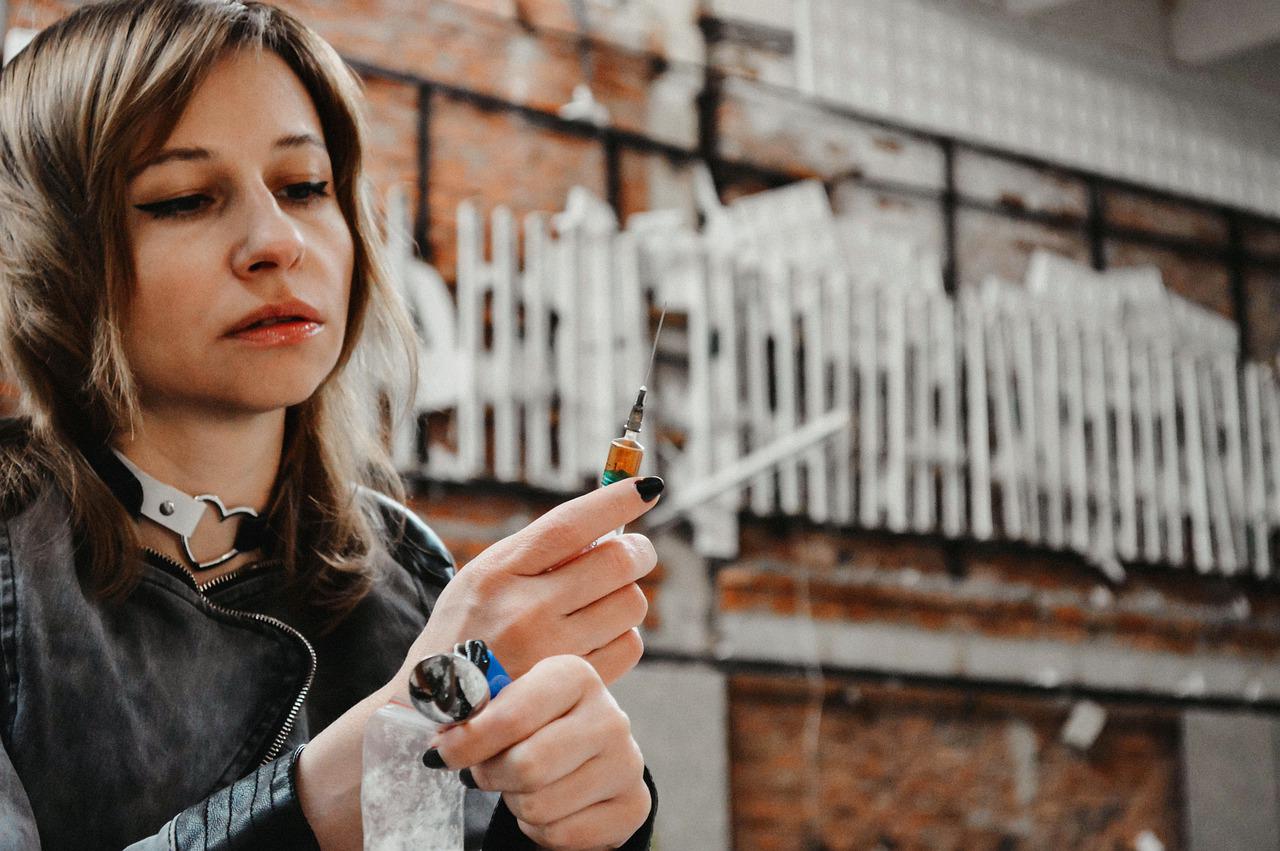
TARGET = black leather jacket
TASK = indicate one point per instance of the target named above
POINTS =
(173, 720)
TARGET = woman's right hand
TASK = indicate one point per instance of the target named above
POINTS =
(589, 605)
(559, 749)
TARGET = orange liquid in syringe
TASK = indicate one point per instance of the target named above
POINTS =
(624, 460)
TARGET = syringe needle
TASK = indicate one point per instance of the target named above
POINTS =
(626, 452)
(654, 353)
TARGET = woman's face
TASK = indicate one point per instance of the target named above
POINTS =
(234, 221)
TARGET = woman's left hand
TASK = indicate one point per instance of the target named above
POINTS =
(559, 749)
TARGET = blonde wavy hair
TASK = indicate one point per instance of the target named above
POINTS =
(82, 101)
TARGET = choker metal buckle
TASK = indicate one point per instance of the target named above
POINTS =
(223, 514)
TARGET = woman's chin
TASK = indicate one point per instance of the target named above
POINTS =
(279, 400)
(239, 402)
(271, 390)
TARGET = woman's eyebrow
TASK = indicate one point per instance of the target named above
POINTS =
(293, 140)
(169, 155)
(296, 140)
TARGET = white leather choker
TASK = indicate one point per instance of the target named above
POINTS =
(180, 513)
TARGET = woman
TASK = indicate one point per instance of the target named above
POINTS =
(192, 305)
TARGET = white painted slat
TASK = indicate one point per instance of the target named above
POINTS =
(839, 322)
(1095, 393)
(1146, 482)
(761, 418)
(809, 294)
(951, 444)
(1255, 473)
(1270, 404)
(781, 294)
(631, 336)
(1120, 369)
(1007, 452)
(1077, 466)
(1028, 425)
(725, 319)
(506, 437)
(1193, 452)
(1050, 399)
(567, 379)
(1170, 452)
(1215, 475)
(981, 525)
(598, 378)
(752, 464)
(1228, 379)
(924, 450)
(895, 479)
(471, 274)
(697, 456)
(866, 310)
(536, 365)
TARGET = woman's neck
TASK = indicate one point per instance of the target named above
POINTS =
(234, 458)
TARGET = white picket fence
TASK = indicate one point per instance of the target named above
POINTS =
(1089, 412)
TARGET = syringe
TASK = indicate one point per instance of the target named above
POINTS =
(626, 452)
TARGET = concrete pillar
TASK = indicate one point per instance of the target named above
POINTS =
(1231, 771)
(683, 600)
(679, 717)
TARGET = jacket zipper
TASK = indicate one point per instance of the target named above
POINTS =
(292, 717)
(238, 573)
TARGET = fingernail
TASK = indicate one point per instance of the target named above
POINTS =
(467, 780)
(432, 759)
(649, 487)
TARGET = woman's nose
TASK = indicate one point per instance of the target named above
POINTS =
(271, 239)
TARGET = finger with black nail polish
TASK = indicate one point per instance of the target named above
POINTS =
(649, 487)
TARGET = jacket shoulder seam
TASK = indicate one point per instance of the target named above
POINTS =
(418, 551)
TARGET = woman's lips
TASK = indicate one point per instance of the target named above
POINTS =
(289, 310)
(287, 333)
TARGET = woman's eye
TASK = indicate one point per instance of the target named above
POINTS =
(186, 205)
(190, 204)
(306, 191)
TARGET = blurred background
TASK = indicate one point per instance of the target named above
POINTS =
(965, 397)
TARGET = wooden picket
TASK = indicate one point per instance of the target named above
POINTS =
(536, 384)
(815, 344)
(1256, 478)
(1079, 411)
(1120, 367)
(951, 441)
(473, 276)
(981, 525)
(837, 328)
(761, 429)
(1146, 484)
(1024, 372)
(1050, 403)
(923, 450)
(867, 341)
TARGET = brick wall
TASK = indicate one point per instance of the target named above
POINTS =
(942, 768)
(903, 762)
